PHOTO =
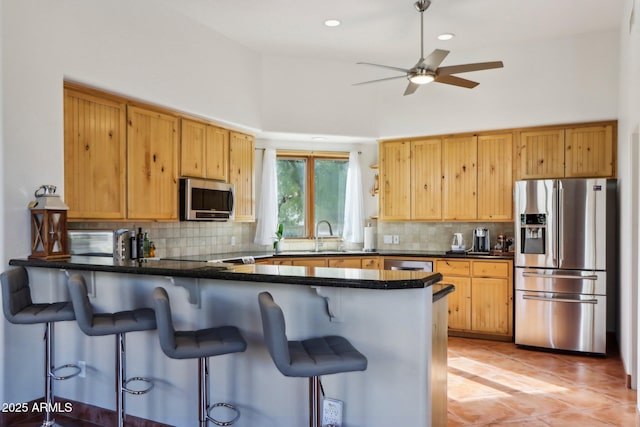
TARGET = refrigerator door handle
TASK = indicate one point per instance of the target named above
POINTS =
(560, 221)
(559, 276)
(578, 301)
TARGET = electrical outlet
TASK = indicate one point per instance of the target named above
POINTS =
(233, 240)
(396, 239)
(331, 412)
(388, 239)
(83, 368)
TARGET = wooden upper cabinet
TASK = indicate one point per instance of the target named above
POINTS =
(495, 177)
(204, 150)
(573, 152)
(152, 165)
(241, 175)
(395, 180)
(459, 173)
(589, 152)
(192, 143)
(426, 180)
(217, 153)
(95, 149)
(541, 154)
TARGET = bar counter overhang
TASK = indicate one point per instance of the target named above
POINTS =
(386, 314)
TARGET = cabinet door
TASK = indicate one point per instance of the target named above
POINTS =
(589, 152)
(217, 153)
(395, 180)
(541, 154)
(192, 143)
(495, 177)
(94, 156)
(241, 175)
(459, 302)
(426, 180)
(459, 156)
(152, 165)
(346, 262)
(490, 305)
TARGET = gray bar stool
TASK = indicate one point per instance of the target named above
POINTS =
(309, 358)
(199, 344)
(20, 309)
(119, 323)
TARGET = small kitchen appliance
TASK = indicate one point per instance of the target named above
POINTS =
(457, 244)
(481, 240)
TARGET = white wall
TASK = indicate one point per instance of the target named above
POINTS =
(2, 179)
(628, 157)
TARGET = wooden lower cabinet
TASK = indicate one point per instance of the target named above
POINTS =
(310, 262)
(459, 302)
(482, 304)
(372, 263)
(345, 262)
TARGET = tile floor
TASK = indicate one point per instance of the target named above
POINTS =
(498, 384)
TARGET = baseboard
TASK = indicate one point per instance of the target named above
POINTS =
(72, 409)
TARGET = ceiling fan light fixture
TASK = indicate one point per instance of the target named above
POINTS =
(446, 36)
(421, 79)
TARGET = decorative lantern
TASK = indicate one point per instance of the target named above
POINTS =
(48, 225)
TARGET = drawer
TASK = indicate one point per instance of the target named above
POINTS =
(347, 262)
(371, 263)
(491, 268)
(453, 267)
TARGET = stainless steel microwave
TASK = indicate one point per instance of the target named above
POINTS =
(205, 200)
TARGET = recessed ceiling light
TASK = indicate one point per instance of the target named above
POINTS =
(318, 138)
(446, 36)
(331, 22)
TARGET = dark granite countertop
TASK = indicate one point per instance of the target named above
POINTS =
(294, 275)
(237, 257)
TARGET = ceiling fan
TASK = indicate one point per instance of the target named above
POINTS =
(428, 70)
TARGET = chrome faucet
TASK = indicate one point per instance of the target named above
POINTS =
(318, 244)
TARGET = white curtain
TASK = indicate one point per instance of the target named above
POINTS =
(267, 210)
(353, 229)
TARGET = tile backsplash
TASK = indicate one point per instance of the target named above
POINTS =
(179, 239)
(436, 236)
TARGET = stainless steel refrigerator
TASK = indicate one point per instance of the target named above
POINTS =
(565, 278)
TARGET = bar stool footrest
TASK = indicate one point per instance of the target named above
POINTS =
(77, 372)
(224, 405)
(138, 392)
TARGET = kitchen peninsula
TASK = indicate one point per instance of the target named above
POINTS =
(388, 315)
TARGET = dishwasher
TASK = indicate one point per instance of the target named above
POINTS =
(406, 264)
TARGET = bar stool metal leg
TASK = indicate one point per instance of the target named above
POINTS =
(120, 375)
(48, 375)
(314, 401)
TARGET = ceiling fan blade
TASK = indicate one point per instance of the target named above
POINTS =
(412, 87)
(457, 81)
(388, 67)
(465, 68)
(379, 80)
(434, 59)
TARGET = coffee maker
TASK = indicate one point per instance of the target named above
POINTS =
(481, 241)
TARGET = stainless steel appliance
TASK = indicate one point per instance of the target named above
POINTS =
(565, 263)
(205, 200)
(481, 240)
(412, 265)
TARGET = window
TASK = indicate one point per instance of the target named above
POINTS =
(311, 188)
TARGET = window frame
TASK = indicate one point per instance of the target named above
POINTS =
(309, 157)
